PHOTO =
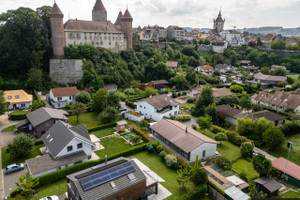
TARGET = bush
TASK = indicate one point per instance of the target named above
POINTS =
(159, 148)
(38, 142)
(223, 162)
(291, 128)
(38, 104)
(143, 123)
(183, 118)
(21, 146)
(199, 176)
(195, 194)
(18, 115)
(273, 138)
(141, 133)
(162, 155)
(221, 137)
(130, 104)
(150, 147)
(190, 100)
(108, 115)
(171, 161)
(247, 149)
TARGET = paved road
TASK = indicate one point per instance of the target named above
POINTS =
(268, 156)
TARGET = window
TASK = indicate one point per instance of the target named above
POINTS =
(9, 97)
(17, 97)
(70, 148)
(141, 106)
(79, 146)
(70, 97)
(203, 154)
(109, 43)
(59, 98)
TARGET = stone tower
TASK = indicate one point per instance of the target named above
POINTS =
(118, 22)
(219, 23)
(126, 22)
(99, 12)
(57, 30)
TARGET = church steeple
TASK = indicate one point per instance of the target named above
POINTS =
(99, 12)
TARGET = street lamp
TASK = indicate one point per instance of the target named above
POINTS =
(289, 145)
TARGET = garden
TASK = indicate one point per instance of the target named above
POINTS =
(103, 132)
(89, 119)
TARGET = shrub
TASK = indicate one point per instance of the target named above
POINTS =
(18, 115)
(21, 146)
(291, 128)
(183, 118)
(162, 155)
(221, 137)
(223, 162)
(38, 104)
(143, 123)
(195, 194)
(130, 104)
(149, 147)
(247, 149)
(141, 133)
(159, 148)
(171, 160)
(273, 138)
(190, 100)
(199, 176)
(101, 127)
(38, 142)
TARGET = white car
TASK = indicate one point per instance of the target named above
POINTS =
(50, 198)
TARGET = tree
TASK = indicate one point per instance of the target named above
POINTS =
(113, 100)
(83, 97)
(245, 126)
(109, 115)
(205, 122)
(257, 107)
(261, 125)
(247, 149)
(221, 137)
(35, 79)
(198, 176)
(38, 104)
(279, 72)
(78, 108)
(282, 84)
(26, 185)
(273, 137)
(245, 102)
(236, 89)
(229, 100)
(179, 81)
(217, 73)
(265, 70)
(205, 99)
(21, 146)
(291, 128)
(129, 91)
(183, 176)
(3, 104)
(150, 92)
(99, 100)
(262, 165)
(223, 162)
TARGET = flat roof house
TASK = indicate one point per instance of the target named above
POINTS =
(60, 97)
(66, 145)
(17, 99)
(117, 179)
(41, 120)
(184, 141)
(157, 107)
(159, 85)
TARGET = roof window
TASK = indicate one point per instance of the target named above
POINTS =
(17, 97)
(9, 97)
(113, 185)
(131, 177)
(51, 140)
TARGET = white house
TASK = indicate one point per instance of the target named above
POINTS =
(60, 97)
(184, 141)
(157, 107)
(17, 99)
(111, 87)
(65, 146)
(234, 37)
(204, 68)
(134, 116)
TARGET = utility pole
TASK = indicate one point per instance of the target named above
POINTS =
(289, 145)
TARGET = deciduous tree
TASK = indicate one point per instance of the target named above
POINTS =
(78, 108)
(83, 97)
(262, 165)
(21, 146)
(273, 137)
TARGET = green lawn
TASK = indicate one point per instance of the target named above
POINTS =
(245, 166)
(7, 160)
(89, 119)
(103, 132)
(291, 195)
(8, 129)
(113, 145)
(56, 188)
(187, 105)
(169, 175)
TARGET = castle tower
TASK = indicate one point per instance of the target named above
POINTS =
(118, 22)
(57, 30)
(127, 28)
(219, 23)
(99, 12)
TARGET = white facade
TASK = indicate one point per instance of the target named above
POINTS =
(150, 112)
(22, 105)
(204, 151)
(61, 102)
(175, 32)
(111, 87)
(233, 37)
(114, 42)
(134, 117)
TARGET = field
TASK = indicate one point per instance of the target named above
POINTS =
(103, 132)
(245, 166)
(291, 195)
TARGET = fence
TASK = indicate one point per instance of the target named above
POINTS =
(214, 194)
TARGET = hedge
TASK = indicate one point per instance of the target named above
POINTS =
(35, 95)
(38, 142)
(18, 115)
(233, 137)
(130, 104)
(195, 194)
(183, 118)
(141, 133)
(97, 128)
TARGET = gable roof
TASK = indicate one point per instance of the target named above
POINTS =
(42, 115)
(61, 134)
(159, 82)
(292, 169)
(221, 66)
(63, 92)
(90, 26)
(180, 135)
(172, 64)
(207, 67)
(160, 101)
(270, 184)
(221, 92)
(262, 76)
(23, 96)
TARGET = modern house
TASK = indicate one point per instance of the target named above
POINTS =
(117, 179)
(217, 93)
(184, 141)
(279, 100)
(289, 170)
(65, 146)
(267, 80)
(134, 116)
(175, 32)
(204, 68)
(157, 107)
(268, 186)
(171, 64)
(40, 120)
(17, 99)
(111, 87)
(60, 97)
(159, 85)
(231, 115)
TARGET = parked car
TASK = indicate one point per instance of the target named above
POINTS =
(50, 198)
(255, 154)
(14, 168)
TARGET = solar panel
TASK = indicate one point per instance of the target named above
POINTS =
(104, 176)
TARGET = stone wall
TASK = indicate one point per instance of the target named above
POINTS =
(66, 71)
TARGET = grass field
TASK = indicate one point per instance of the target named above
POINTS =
(56, 188)
(8, 129)
(291, 195)
(7, 160)
(245, 166)
(90, 119)
(103, 132)
(187, 105)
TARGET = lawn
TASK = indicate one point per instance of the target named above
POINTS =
(8, 129)
(291, 195)
(6, 158)
(103, 132)
(187, 105)
(56, 188)
(169, 175)
(245, 166)
(113, 145)
(89, 119)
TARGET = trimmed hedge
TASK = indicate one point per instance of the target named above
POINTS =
(195, 194)
(38, 142)
(130, 104)
(18, 115)
(183, 118)
(233, 137)
(97, 128)
(141, 133)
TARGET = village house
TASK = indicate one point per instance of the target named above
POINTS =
(217, 93)
(120, 178)
(273, 67)
(41, 120)
(157, 107)
(279, 100)
(159, 85)
(231, 115)
(175, 32)
(171, 64)
(65, 146)
(111, 87)
(268, 186)
(267, 81)
(60, 97)
(223, 68)
(245, 63)
(134, 116)
(204, 68)
(17, 99)
(184, 141)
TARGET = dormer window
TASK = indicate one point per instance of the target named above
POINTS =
(9, 97)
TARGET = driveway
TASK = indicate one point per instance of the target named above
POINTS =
(268, 156)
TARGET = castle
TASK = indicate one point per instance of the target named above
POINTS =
(219, 23)
(99, 32)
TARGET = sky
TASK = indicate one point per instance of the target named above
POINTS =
(185, 13)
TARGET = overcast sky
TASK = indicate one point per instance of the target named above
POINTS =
(187, 13)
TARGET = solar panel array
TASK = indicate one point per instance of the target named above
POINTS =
(105, 176)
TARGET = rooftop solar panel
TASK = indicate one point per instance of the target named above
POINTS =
(104, 176)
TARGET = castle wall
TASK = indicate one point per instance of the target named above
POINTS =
(66, 71)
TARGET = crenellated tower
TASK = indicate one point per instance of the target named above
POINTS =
(57, 30)
(99, 12)
(126, 23)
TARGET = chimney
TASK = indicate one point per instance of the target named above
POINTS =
(106, 159)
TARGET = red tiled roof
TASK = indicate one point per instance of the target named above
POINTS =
(207, 67)
(292, 169)
(63, 92)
